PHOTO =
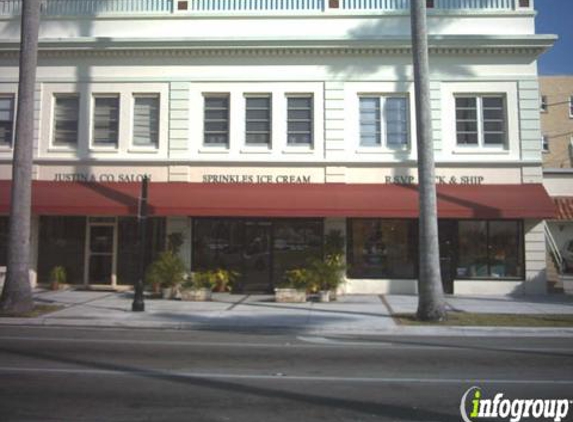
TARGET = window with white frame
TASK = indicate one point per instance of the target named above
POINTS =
(146, 120)
(543, 104)
(571, 106)
(258, 121)
(545, 143)
(6, 120)
(66, 119)
(481, 121)
(383, 121)
(106, 120)
(300, 119)
(216, 120)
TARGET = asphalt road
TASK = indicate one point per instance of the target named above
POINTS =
(55, 374)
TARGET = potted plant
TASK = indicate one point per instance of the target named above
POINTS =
(327, 275)
(167, 271)
(224, 280)
(329, 272)
(199, 286)
(57, 277)
(293, 287)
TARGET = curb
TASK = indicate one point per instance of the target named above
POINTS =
(348, 330)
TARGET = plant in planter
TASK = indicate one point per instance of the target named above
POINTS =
(327, 275)
(329, 272)
(293, 287)
(167, 271)
(57, 277)
(224, 280)
(199, 286)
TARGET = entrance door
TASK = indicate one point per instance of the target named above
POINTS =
(447, 235)
(257, 257)
(101, 251)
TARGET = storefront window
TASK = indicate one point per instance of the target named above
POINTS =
(490, 249)
(129, 246)
(382, 248)
(217, 244)
(259, 250)
(3, 241)
(294, 243)
(62, 243)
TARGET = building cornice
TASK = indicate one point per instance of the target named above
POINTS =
(167, 47)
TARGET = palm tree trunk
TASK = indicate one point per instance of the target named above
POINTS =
(430, 290)
(17, 292)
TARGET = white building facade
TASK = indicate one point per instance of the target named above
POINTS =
(266, 125)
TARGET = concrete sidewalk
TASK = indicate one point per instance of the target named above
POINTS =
(351, 314)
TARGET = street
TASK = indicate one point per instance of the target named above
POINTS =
(77, 374)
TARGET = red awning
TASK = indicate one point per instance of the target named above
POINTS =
(564, 207)
(288, 200)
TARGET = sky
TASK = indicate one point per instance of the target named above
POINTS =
(556, 17)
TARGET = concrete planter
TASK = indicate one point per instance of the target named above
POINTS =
(286, 295)
(324, 296)
(196, 295)
(167, 292)
(567, 281)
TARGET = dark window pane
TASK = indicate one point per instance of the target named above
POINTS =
(217, 244)
(62, 243)
(6, 120)
(494, 138)
(492, 102)
(466, 126)
(299, 120)
(129, 246)
(216, 120)
(370, 123)
(505, 246)
(472, 249)
(382, 248)
(106, 121)
(146, 120)
(66, 111)
(467, 138)
(466, 102)
(466, 114)
(295, 242)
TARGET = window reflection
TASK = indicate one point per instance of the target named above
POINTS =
(382, 248)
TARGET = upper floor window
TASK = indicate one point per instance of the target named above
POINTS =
(6, 120)
(146, 120)
(545, 143)
(383, 121)
(543, 104)
(258, 120)
(106, 120)
(481, 121)
(300, 119)
(216, 120)
(66, 112)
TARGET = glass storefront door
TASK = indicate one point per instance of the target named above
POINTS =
(447, 235)
(257, 257)
(101, 251)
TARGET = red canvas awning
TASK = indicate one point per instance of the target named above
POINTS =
(288, 200)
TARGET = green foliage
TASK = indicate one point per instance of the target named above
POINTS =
(168, 270)
(58, 275)
(326, 274)
(298, 278)
(219, 279)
